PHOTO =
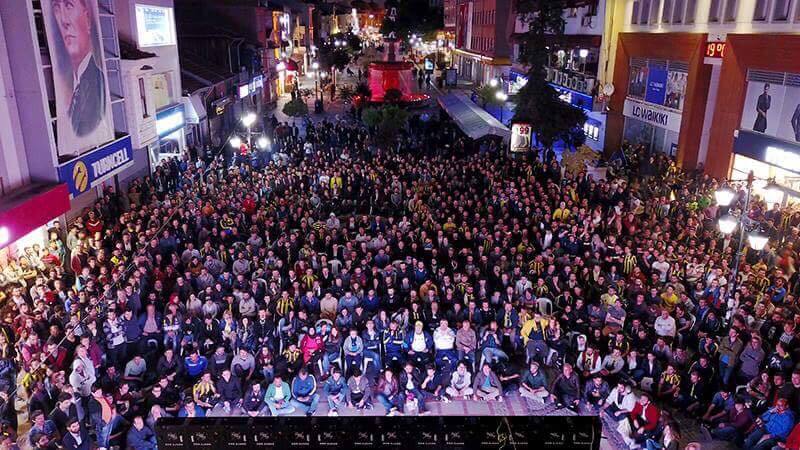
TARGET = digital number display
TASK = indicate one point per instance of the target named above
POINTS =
(715, 50)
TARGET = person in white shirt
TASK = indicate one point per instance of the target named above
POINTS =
(620, 402)
(444, 341)
(665, 325)
(460, 383)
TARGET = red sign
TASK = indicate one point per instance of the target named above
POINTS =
(715, 50)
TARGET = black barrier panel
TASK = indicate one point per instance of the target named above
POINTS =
(428, 432)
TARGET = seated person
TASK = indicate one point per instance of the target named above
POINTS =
(487, 386)
(595, 392)
(534, 384)
(460, 386)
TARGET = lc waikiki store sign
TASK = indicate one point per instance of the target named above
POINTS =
(653, 114)
(93, 168)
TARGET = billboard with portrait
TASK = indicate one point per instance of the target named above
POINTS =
(83, 107)
(656, 86)
(762, 107)
(789, 124)
(676, 89)
(638, 82)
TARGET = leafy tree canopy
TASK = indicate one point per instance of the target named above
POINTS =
(537, 102)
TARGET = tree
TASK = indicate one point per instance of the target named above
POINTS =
(537, 103)
(488, 95)
(296, 108)
(333, 58)
(386, 122)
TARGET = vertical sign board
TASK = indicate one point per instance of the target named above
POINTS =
(656, 86)
(520, 137)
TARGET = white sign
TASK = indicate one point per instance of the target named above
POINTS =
(653, 114)
(155, 26)
(520, 137)
(782, 158)
(244, 90)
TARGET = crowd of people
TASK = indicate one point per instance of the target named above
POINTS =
(389, 278)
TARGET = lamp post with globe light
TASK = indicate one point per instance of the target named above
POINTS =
(748, 227)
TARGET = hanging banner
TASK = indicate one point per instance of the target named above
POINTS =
(520, 138)
(83, 107)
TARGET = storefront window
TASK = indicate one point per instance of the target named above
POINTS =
(22, 260)
(763, 172)
(161, 94)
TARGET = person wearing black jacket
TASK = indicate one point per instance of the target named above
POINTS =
(230, 392)
(411, 386)
(76, 438)
(566, 389)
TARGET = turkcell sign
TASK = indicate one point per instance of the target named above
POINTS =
(653, 114)
(91, 169)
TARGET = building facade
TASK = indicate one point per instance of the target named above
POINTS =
(482, 51)
(713, 96)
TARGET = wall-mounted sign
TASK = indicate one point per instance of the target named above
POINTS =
(520, 137)
(219, 105)
(715, 50)
(170, 120)
(656, 86)
(93, 168)
(155, 26)
(652, 114)
(244, 90)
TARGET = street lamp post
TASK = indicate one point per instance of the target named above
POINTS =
(248, 120)
(502, 97)
(727, 224)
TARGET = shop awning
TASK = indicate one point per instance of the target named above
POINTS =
(195, 112)
(471, 118)
(29, 208)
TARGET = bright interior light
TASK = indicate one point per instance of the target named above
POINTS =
(5, 235)
(757, 240)
(262, 143)
(727, 224)
(583, 53)
(249, 119)
(493, 82)
(773, 194)
(236, 142)
(724, 196)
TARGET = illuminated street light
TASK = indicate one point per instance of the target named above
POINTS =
(501, 96)
(249, 119)
(236, 142)
(493, 82)
(727, 224)
(315, 65)
(262, 143)
(724, 196)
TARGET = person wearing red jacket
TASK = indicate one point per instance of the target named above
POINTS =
(644, 419)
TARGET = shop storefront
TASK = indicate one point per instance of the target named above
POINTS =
(654, 103)
(25, 218)
(768, 139)
(170, 124)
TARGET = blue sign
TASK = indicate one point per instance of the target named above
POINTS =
(574, 98)
(91, 169)
(170, 120)
(656, 86)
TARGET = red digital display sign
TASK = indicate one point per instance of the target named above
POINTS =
(715, 50)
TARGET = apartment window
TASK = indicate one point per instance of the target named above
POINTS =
(143, 98)
(677, 11)
(731, 8)
(635, 13)
(713, 11)
(645, 18)
(666, 13)
(781, 12)
(691, 7)
(654, 6)
(760, 11)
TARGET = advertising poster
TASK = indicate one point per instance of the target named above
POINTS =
(520, 137)
(656, 86)
(762, 107)
(154, 26)
(83, 107)
(676, 89)
(789, 125)
(638, 82)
